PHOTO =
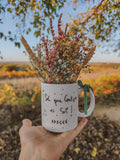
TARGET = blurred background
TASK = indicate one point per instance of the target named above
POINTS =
(20, 86)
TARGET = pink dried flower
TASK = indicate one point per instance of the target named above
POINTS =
(47, 57)
(59, 37)
(60, 32)
(46, 62)
(51, 65)
(49, 80)
(64, 56)
(51, 27)
(85, 48)
(45, 45)
(52, 53)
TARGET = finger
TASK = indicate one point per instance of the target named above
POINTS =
(80, 127)
(42, 130)
(27, 123)
(70, 135)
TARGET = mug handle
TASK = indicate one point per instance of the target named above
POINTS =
(92, 104)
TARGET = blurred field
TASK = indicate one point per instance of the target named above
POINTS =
(20, 97)
(103, 77)
(99, 69)
(20, 86)
(25, 78)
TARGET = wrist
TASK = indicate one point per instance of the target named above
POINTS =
(43, 154)
(27, 152)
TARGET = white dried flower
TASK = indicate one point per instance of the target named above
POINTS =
(60, 60)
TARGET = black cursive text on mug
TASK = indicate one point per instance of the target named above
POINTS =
(47, 98)
(59, 122)
(57, 100)
(64, 110)
(69, 99)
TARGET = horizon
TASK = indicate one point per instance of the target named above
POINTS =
(3, 62)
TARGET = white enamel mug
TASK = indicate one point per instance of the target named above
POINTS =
(59, 106)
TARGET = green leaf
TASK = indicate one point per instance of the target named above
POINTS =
(37, 33)
(48, 30)
(11, 39)
(9, 1)
(1, 35)
(17, 44)
(29, 29)
(44, 26)
(9, 10)
(5, 38)
(16, 24)
(27, 32)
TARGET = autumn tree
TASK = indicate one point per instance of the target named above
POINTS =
(32, 11)
(101, 19)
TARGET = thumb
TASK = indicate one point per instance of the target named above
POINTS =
(27, 123)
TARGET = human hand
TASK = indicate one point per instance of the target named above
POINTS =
(39, 144)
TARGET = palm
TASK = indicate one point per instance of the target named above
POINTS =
(49, 145)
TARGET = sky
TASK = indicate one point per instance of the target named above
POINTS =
(12, 53)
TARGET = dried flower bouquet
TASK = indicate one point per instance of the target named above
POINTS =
(61, 59)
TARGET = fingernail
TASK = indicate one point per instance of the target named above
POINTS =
(84, 120)
(26, 122)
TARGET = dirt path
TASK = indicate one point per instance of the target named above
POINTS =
(112, 112)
